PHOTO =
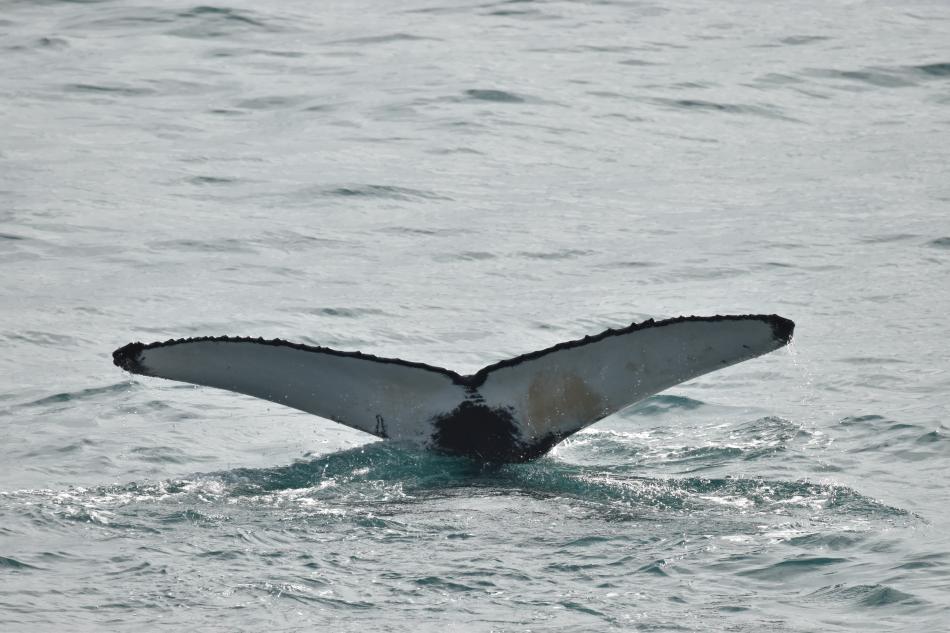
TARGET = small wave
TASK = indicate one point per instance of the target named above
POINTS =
(290, 240)
(51, 43)
(277, 53)
(49, 339)
(771, 112)
(124, 91)
(655, 568)
(210, 21)
(443, 584)
(798, 40)
(778, 79)
(664, 404)
(789, 568)
(875, 77)
(576, 606)
(72, 447)
(886, 77)
(386, 39)
(604, 48)
(709, 272)
(633, 61)
(940, 242)
(300, 592)
(13, 564)
(414, 230)
(520, 13)
(271, 102)
(874, 424)
(193, 517)
(126, 17)
(465, 256)
(85, 514)
(833, 541)
(933, 70)
(768, 431)
(345, 313)
(887, 238)
(865, 595)
(873, 360)
(566, 253)
(232, 554)
(443, 151)
(927, 561)
(211, 180)
(135, 570)
(382, 191)
(161, 455)
(903, 440)
(496, 96)
(221, 245)
(587, 541)
(931, 438)
(83, 394)
(628, 264)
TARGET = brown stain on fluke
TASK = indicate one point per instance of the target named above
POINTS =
(561, 396)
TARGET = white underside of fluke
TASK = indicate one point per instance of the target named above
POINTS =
(385, 399)
(543, 396)
(572, 388)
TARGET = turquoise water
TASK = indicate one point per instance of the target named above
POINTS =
(457, 183)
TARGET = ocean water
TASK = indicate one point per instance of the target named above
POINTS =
(457, 182)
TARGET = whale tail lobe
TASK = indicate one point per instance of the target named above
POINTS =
(512, 410)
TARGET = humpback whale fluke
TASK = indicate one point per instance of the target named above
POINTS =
(513, 410)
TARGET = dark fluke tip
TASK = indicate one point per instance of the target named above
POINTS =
(782, 328)
(127, 357)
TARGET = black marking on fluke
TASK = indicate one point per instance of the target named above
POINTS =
(487, 434)
(381, 427)
(127, 357)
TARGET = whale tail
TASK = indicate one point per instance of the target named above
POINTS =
(513, 410)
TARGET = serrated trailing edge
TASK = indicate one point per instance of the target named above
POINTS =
(128, 357)
(782, 329)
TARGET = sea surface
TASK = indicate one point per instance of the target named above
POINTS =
(457, 182)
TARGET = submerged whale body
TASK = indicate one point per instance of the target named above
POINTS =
(510, 411)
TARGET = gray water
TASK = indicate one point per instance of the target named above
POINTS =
(457, 183)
